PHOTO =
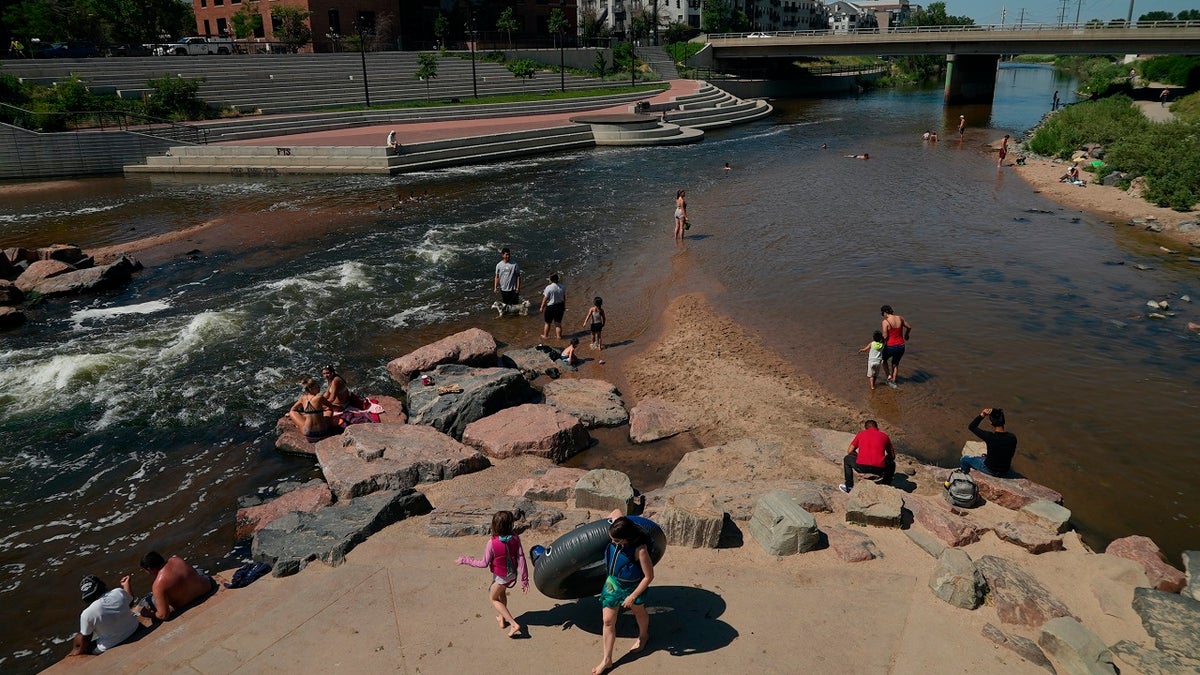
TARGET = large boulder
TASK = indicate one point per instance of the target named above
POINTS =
(460, 395)
(781, 527)
(1047, 514)
(531, 362)
(290, 441)
(1075, 649)
(368, 458)
(312, 496)
(654, 418)
(291, 542)
(471, 515)
(1011, 493)
(956, 580)
(691, 519)
(529, 429)
(67, 253)
(81, 281)
(556, 484)
(472, 347)
(604, 490)
(739, 498)
(1191, 572)
(851, 545)
(935, 515)
(595, 402)
(1018, 597)
(830, 444)
(1172, 620)
(1146, 553)
(876, 505)
(1021, 646)
(39, 271)
(9, 293)
(1030, 537)
(744, 460)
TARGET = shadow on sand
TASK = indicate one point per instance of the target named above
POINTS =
(683, 621)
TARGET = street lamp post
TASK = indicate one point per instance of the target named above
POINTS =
(333, 37)
(362, 52)
(562, 66)
(471, 32)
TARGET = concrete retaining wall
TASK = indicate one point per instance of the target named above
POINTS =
(28, 154)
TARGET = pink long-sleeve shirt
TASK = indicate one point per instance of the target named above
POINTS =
(495, 556)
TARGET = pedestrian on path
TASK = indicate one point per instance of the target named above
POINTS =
(1162, 98)
(505, 558)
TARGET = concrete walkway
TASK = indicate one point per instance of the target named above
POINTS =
(420, 132)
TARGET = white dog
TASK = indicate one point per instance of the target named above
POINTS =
(521, 308)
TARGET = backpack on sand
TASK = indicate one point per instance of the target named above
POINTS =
(961, 490)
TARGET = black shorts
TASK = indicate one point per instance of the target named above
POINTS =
(510, 297)
(893, 354)
(554, 313)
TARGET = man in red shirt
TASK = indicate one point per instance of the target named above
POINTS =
(870, 452)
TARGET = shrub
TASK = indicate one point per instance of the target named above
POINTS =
(175, 98)
(11, 90)
(1102, 79)
(1168, 155)
(599, 65)
(1170, 69)
(1102, 121)
(1187, 109)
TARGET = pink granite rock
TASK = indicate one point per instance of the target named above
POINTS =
(595, 402)
(367, 458)
(653, 418)
(933, 515)
(472, 347)
(64, 252)
(1013, 493)
(40, 271)
(289, 440)
(557, 484)
(1030, 537)
(850, 545)
(1018, 597)
(529, 429)
(1143, 551)
(80, 281)
(306, 498)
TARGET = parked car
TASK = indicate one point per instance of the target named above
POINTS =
(68, 50)
(129, 50)
(195, 45)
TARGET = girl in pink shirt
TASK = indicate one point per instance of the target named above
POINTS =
(506, 559)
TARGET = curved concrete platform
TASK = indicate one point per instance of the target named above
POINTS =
(635, 129)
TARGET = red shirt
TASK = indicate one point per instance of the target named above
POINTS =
(873, 445)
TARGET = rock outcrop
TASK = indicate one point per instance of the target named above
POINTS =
(1018, 597)
(460, 395)
(370, 457)
(556, 484)
(653, 419)
(472, 347)
(291, 542)
(40, 271)
(604, 490)
(71, 282)
(529, 429)
(308, 498)
(472, 516)
(595, 402)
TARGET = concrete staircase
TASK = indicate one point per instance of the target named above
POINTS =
(657, 59)
(711, 108)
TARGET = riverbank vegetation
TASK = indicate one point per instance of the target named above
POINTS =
(1167, 154)
(70, 104)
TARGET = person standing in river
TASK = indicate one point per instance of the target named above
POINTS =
(507, 279)
(1003, 150)
(962, 126)
(554, 306)
(896, 330)
(680, 213)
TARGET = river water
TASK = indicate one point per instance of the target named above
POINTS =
(133, 420)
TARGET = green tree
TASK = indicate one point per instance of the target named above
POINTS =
(926, 67)
(524, 69)
(427, 69)
(441, 28)
(294, 31)
(175, 98)
(507, 23)
(557, 24)
(247, 22)
(1188, 15)
(590, 26)
(599, 65)
(716, 16)
(1156, 16)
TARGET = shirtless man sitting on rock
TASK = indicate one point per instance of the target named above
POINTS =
(176, 585)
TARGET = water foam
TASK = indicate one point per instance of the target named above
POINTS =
(105, 313)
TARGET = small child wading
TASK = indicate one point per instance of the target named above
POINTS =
(595, 319)
(874, 351)
(506, 560)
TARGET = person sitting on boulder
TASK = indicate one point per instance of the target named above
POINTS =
(308, 412)
(1001, 445)
(870, 452)
(336, 391)
(176, 585)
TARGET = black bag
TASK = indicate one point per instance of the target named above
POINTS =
(962, 491)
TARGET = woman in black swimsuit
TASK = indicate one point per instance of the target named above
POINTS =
(308, 413)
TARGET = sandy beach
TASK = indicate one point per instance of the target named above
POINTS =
(399, 603)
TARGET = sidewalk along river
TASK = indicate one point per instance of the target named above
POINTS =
(134, 420)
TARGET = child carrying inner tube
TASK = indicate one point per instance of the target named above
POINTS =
(630, 571)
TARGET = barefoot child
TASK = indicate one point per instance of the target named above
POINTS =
(630, 571)
(506, 559)
(568, 354)
(595, 318)
(874, 357)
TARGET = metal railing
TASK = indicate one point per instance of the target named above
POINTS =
(975, 28)
(102, 120)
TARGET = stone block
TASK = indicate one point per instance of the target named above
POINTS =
(596, 403)
(556, 484)
(11, 317)
(691, 519)
(652, 419)
(1146, 553)
(830, 444)
(851, 545)
(471, 515)
(875, 505)
(925, 542)
(956, 580)
(308, 498)
(1045, 513)
(1018, 597)
(936, 516)
(39, 271)
(781, 527)
(1075, 649)
(529, 429)
(1172, 620)
(472, 347)
(604, 490)
(1023, 647)
(460, 395)
(1030, 537)
(1191, 573)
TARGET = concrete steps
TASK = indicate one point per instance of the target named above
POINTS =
(661, 63)
(711, 108)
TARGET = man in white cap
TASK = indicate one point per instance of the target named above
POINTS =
(107, 621)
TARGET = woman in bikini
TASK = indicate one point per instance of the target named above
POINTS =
(336, 391)
(308, 413)
(680, 212)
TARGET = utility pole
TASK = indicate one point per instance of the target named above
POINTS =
(1003, 12)
(1062, 13)
(1022, 23)
(1129, 21)
(1078, 6)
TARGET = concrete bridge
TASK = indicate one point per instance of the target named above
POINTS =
(972, 52)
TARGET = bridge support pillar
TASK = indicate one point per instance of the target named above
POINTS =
(970, 78)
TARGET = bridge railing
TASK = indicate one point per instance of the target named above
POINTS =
(974, 28)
